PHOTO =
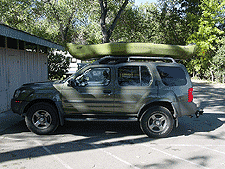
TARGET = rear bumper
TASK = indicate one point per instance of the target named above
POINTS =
(199, 112)
(187, 109)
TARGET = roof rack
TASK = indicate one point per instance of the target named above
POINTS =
(122, 59)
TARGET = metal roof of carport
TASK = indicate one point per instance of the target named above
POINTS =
(8, 31)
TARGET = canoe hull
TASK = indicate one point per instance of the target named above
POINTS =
(85, 52)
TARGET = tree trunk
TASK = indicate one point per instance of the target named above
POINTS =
(212, 76)
(108, 33)
(223, 78)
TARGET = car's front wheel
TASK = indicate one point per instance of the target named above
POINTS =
(157, 122)
(41, 118)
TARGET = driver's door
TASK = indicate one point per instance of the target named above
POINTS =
(92, 92)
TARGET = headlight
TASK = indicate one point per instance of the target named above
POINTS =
(17, 93)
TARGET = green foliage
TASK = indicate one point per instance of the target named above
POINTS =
(206, 37)
(57, 65)
(54, 20)
(15, 12)
(218, 64)
(168, 21)
(137, 24)
(62, 17)
(219, 58)
(172, 26)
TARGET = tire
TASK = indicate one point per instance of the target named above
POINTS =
(157, 122)
(41, 118)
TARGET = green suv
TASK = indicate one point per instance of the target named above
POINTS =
(152, 90)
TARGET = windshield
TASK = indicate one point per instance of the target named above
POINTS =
(73, 75)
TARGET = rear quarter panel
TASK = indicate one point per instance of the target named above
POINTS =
(178, 95)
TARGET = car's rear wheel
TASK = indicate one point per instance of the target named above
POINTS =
(157, 122)
(41, 118)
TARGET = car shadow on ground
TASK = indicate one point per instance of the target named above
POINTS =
(187, 126)
(205, 123)
(95, 135)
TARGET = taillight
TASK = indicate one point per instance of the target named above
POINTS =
(190, 94)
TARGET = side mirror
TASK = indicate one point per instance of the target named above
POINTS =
(71, 83)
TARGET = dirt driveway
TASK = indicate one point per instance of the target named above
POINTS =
(196, 143)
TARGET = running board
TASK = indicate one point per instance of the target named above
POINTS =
(99, 119)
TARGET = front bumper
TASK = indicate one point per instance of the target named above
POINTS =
(18, 106)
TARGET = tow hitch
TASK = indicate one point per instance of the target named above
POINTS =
(198, 113)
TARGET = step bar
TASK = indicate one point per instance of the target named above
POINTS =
(102, 120)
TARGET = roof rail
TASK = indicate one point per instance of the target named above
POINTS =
(122, 59)
(152, 58)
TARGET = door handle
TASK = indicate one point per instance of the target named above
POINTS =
(107, 91)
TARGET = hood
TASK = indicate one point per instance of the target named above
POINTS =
(38, 85)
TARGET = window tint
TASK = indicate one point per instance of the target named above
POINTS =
(11, 43)
(145, 76)
(172, 76)
(133, 76)
(2, 41)
(94, 77)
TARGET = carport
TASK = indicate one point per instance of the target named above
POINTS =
(23, 59)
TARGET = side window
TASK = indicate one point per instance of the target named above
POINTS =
(94, 77)
(133, 76)
(172, 76)
(145, 76)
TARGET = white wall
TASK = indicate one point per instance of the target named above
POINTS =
(16, 68)
(73, 67)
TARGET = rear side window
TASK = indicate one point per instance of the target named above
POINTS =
(172, 76)
(134, 76)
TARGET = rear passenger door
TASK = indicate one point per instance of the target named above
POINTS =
(132, 86)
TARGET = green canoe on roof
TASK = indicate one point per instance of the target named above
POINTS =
(85, 52)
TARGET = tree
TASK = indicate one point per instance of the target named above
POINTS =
(64, 21)
(55, 20)
(57, 65)
(14, 12)
(63, 16)
(108, 29)
(172, 22)
(20, 14)
(218, 63)
(206, 37)
(138, 24)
